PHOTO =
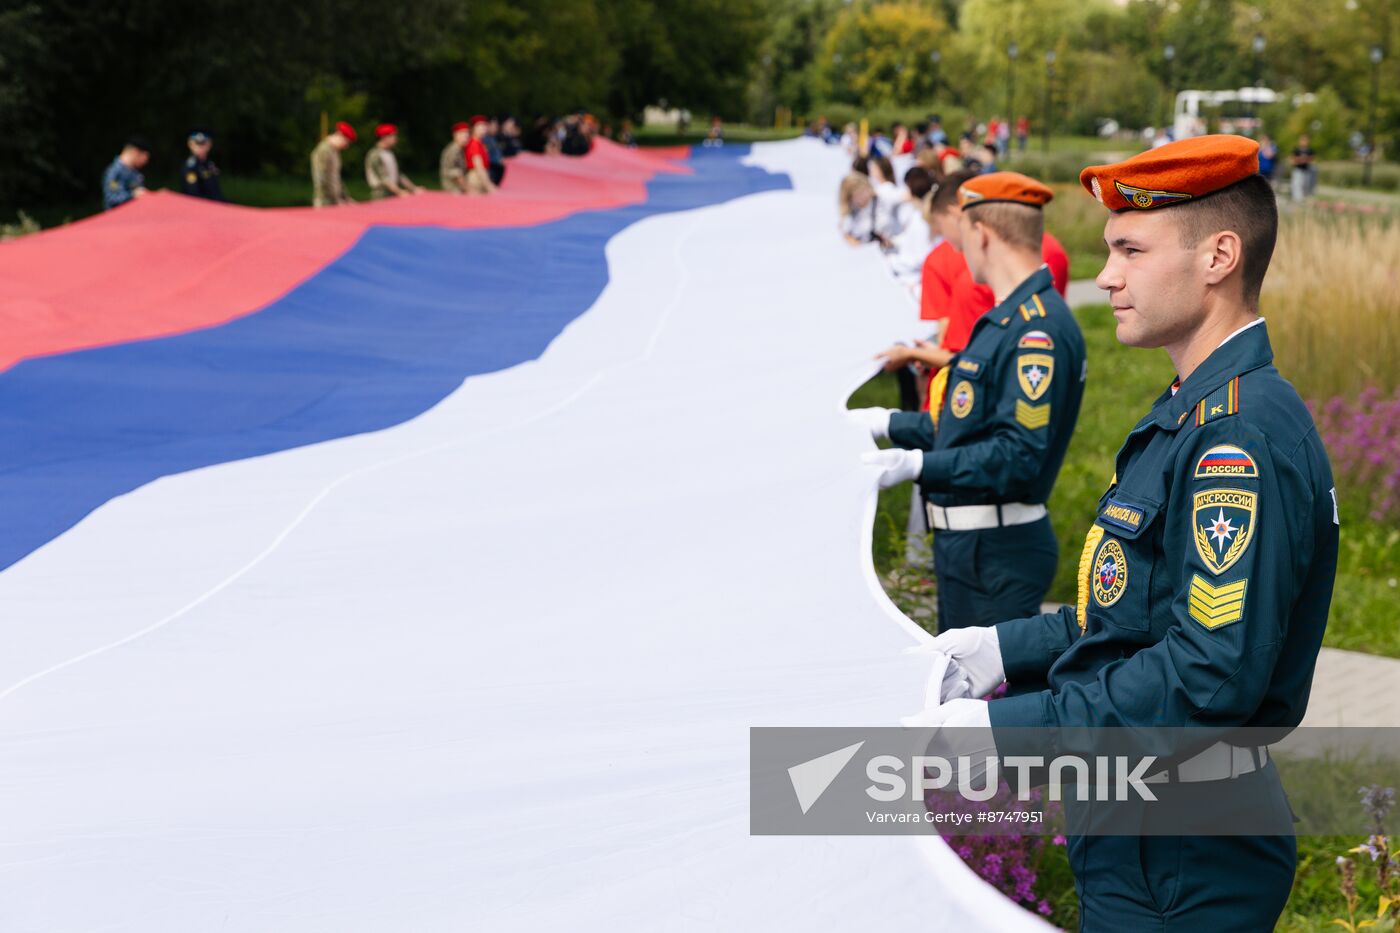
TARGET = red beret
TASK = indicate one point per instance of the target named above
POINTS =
(461, 125)
(1004, 187)
(346, 130)
(385, 129)
(1170, 174)
(479, 119)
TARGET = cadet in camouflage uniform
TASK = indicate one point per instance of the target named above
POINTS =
(452, 166)
(382, 166)
(1207, 573)
(123, 181)
(1000, 416)
(327, 186)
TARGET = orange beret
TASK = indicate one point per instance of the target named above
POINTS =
(1006, 187)
(1176, 172)
(346, 130)
(385, 129)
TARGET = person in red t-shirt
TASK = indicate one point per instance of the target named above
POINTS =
(902, 143)
(939, 298)
(478, 159)
(949, 293)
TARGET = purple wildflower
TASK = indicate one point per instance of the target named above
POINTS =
(1362, 437)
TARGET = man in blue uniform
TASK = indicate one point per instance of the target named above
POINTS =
(1000, 416)
(1207, 573)
(123, 181)
(200, 176)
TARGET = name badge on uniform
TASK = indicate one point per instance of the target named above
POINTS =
(969, 366)
(1121, 515)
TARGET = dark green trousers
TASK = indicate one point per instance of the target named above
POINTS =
(994, 574)
(1188, 883)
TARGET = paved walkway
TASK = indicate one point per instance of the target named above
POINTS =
(1085, 292)
(1354, 689)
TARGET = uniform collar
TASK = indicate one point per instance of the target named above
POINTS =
(1243, 351)
(1038, 281)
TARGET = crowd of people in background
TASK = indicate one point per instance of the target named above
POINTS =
(473, 162)
(901, 195)
(978, 147)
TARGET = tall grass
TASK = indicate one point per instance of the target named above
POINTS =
(1077, 220)
(1332, 298)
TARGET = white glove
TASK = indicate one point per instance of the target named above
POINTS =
(965, 713)
(874, 420)
(896, 466)
(971, 735)
(977, 653)
(946, 678)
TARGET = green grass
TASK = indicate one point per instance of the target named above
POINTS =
(1121, 388)
(289, 190)
(1385, 176)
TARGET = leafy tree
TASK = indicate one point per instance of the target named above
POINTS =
(880, 54)
(789, 68)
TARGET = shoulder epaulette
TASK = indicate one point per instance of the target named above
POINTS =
(1223, 401)
(1032, 309)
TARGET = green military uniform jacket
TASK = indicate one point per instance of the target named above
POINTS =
(381, 170)
(1011, 400)
(326, 183)
(1206, 577)
(452, 168)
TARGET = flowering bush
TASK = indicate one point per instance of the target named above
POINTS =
(1011, 864)
(1363, 441)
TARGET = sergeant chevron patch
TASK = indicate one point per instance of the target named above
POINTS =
(1031, 416)
(1214, 606)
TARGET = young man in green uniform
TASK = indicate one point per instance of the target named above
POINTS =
(327, 186)
(452, 164)
(1000, 416)
(1207, 573)
(382, 166)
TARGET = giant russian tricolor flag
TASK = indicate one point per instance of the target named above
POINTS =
(422, 565)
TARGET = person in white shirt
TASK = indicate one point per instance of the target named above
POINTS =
(849, 139)
(888, 198)
(911, 246)
(857, 202)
